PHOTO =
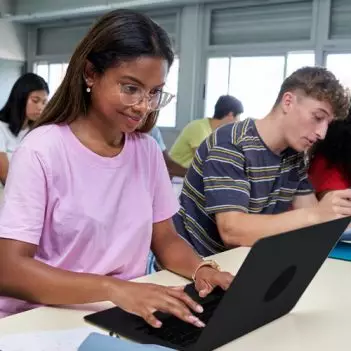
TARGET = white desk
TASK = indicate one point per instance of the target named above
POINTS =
(321, 321)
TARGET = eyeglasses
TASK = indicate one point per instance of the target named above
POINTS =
(131, 95)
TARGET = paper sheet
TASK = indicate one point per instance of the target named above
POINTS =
(63, 340)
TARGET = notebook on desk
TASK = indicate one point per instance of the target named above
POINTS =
(274, 275)
(342, 251)
(99, 342)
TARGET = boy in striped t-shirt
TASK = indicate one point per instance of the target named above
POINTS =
(246, 176)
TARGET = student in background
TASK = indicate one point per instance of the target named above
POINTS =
(88, 192)
(330, 164)
(227, 110)
(176, 172)
(26, 102)
(247, 176)
(174, 169)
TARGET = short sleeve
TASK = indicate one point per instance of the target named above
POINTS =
(23, 208)
(3, 141)
(165, 203)
(195, 134)
(226, 185)
(304, 187)
(324, 178)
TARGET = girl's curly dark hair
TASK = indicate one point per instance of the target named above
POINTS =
(336, 147)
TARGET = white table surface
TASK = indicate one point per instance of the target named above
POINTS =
(320, 321)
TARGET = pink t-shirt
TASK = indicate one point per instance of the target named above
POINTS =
(86, 213)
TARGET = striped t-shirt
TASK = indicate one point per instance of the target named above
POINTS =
(233, 170)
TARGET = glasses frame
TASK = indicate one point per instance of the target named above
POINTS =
(147, 95)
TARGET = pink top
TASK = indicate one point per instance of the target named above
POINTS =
(86, 213)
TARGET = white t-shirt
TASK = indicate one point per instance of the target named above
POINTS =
(8, 141)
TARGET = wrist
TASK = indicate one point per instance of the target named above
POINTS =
(314, 215)
(113, 288)
(205, 271)
(205, 266)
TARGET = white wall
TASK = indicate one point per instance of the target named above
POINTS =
(13, 42)
(9, 72)
(13, 48)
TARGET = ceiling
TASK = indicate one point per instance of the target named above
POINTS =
(29, 11)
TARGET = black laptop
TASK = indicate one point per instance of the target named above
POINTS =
(271, 280)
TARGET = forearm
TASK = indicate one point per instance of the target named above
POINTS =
(34, 281)
(174, 169)
(4, 167)
(177, 256)
(245, 229)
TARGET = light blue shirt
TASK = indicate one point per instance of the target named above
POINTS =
(156, 134)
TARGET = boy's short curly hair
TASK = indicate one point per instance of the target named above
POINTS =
(320, 84)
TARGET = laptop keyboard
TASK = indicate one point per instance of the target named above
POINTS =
(181, 333)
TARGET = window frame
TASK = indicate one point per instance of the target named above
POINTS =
(230, 55)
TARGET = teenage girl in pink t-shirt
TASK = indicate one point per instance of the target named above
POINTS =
(88, 192)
